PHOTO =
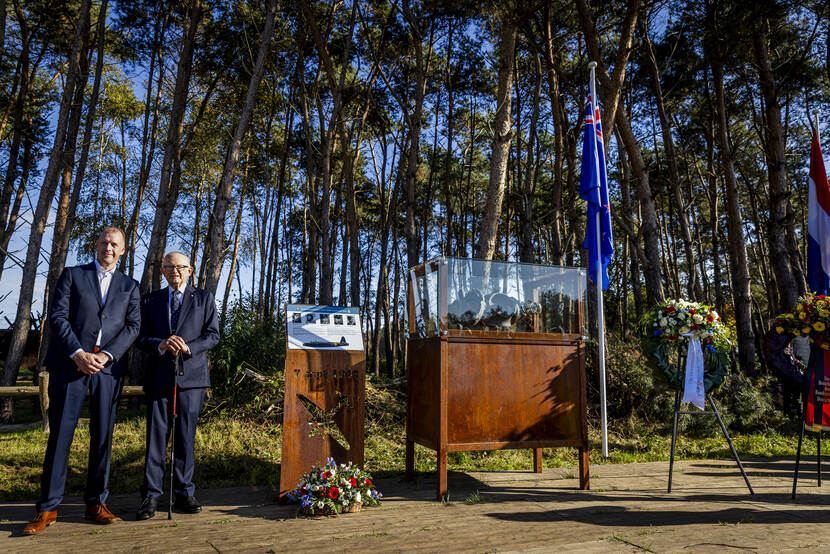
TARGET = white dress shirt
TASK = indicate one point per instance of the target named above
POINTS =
(104, 280)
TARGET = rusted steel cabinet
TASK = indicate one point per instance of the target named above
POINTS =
(495, 360)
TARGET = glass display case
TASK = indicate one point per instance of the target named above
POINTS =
(458, 294)
(488, 339)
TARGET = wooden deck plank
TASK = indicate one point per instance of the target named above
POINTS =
(627, 510)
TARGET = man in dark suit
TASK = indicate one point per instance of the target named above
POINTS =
(178, 320)
(95, 317)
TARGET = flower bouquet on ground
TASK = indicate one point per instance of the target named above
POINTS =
(673, 323)
(332, 489)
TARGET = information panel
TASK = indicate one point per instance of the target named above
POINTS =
(323, 327)
(325, 390)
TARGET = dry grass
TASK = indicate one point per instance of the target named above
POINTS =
(233, 450)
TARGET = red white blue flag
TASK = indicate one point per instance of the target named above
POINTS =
(817, 411)
(818, 224)
(593, 188)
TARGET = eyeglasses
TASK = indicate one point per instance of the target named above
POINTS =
(179, 268)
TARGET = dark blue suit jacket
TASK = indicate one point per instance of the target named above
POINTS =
(198, 327)
(76, 314)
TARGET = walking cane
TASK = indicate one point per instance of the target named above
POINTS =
(176, 372)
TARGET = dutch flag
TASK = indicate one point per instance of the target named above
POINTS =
(818, 224)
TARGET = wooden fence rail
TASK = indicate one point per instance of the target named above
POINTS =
(41, 391)
(127, 390)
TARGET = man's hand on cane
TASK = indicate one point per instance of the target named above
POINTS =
(174, 344)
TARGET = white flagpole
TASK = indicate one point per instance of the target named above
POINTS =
(818, 131)
(600, 310)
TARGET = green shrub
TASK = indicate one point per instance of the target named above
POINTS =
(254, 342)
(751, 402)
(638, 393)
(632, 389)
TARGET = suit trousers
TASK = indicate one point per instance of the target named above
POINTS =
(67, 391)
(159, 420)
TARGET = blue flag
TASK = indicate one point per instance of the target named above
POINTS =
(593, 188)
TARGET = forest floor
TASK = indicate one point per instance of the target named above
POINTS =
(626, 510)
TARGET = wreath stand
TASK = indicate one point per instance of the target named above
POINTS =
(809, 379)
(714, 411)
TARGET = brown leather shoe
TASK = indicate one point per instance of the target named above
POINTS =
(41, 521)
(100, 514)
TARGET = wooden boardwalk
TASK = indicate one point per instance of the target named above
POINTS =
(627, 510)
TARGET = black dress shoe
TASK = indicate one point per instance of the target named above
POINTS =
(147, 509)
(188, 505)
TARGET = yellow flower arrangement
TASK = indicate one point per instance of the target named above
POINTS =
(811, 319)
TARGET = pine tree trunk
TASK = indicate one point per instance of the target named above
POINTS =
(779, 193)
(734, 221)
(648, 226)
(18, 131)
(65, 213)
(693, 285)
(502, 135)
(558, 144)
(388, 211)
(5, 237)
(414, 139)
(65, 217)
(223, 190)
(611, 84)
(151, 277)
(352, 224)
(448, 173)
(149, 131)
(237, 233)
(281, 179)
(20, 329)
(529, 189)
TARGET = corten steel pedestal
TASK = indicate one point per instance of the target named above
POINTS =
(488, 390)
(329, 379)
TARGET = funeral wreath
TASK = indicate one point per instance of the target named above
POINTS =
(667, 330)
(334, 488)
(810, 319)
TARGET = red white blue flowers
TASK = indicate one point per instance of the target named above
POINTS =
(671, 323)
(681, 320)
(335, 488)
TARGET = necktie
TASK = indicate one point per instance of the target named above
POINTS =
(175, 306)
